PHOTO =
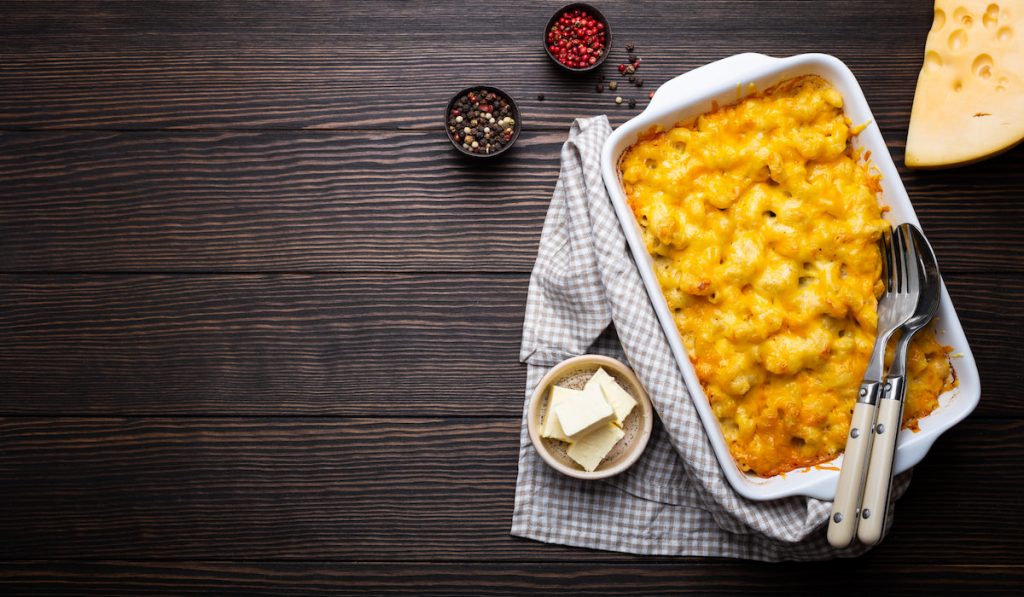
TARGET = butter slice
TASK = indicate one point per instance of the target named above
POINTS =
(619, 399)
(552, 428)
(590, 448)
(583, 411)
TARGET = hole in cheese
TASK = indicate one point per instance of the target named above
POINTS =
(957, 40)
(991, 18)
(982, 66)
(963, 17)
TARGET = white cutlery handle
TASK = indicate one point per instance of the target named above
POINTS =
(842, 524)
(873, 509)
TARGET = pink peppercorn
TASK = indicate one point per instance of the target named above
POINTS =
(576, 39)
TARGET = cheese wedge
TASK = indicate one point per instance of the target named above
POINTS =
(619, 399)
(590, 448)
(551, 427)
(582, 411)
(969, 103)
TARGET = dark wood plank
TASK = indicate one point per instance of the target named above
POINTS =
(681, 577)
(268, 202)
(352, 64)
(385, 489)
(356, 201)
(329, 345)
(262, 344)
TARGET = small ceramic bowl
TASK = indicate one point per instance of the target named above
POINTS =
(573, 373)
(501, 95)
(598, 16)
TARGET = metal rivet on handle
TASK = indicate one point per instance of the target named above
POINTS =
(855, 433)
(880, 429)
(866, 513)
(838, 517)
(863, 391)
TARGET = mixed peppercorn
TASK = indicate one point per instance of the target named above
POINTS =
(482, 121)
(577, 39)
(627, 70)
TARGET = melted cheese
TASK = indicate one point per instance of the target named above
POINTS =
(969, 102)
(763, 227)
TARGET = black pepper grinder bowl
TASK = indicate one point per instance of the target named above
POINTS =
(599, 16)
(517, 126)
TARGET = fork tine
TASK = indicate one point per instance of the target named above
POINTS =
(887, 267)
(897, 260)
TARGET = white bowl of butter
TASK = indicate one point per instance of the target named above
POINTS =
(590, 418)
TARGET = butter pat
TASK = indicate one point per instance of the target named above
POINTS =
(583, 411)
(619, 399)
(552, 428)
(590, 448)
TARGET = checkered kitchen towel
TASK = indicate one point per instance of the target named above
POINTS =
(586, 295)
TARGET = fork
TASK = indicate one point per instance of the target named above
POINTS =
(927, 287)
(894, 309)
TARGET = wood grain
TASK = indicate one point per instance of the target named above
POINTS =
(262, 344)
(259, 324)
(424, 345)
(387, 489)
(345, 65)
(679, 577)
(357, 201)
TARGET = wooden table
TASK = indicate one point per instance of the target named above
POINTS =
(259, 323)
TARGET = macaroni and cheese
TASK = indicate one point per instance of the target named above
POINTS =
(763, 224)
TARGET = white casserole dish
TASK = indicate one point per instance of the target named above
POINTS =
(690, 95)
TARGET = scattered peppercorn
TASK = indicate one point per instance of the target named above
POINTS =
(632, 103)
(618, 99)
(577, 39)
(630, 69)
(540, 97)
(630, 47)
(650, 95)
(632, 78)
(613, 85)
(599, 87)
(639, 82)
(490, 119)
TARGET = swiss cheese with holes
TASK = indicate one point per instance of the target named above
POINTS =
(969, 103)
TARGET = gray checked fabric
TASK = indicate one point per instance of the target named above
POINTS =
(586, 295)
